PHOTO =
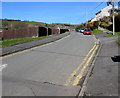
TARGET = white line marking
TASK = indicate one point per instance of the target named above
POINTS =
(2, 66)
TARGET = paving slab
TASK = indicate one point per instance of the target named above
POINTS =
(104, 78)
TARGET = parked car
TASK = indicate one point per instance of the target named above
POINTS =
(87, 32)
(78, 30)
(82, 30)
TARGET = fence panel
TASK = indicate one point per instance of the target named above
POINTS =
(55, 31)
(20, 33)
(30, 32)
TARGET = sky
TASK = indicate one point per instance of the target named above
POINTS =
(51, 12)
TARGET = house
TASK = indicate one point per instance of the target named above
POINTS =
(104, 12)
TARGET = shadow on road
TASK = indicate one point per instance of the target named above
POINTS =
(116, 58)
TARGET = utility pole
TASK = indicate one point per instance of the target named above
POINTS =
(118, 5)
(111, 2)
(113, 18)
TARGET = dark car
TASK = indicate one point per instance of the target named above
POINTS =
(78, 30)
(87, 32)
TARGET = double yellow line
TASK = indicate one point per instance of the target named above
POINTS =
(85, 64)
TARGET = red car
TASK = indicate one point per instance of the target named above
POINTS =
(87, 31)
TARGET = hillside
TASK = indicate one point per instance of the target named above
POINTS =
(16, 24)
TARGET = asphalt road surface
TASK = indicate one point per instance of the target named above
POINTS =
(43, 71)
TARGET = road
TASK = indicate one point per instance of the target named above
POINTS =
(43, 71)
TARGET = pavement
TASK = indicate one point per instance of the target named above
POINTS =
(44, 70)
(103, 80)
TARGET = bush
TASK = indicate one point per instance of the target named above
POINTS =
(96, 24)
(80, 26)
(5, 24)
(104, 24)
(96, 31)
(117, 23)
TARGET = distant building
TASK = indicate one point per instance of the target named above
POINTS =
(104, 12)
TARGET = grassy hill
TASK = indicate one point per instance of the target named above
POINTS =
(15, 24)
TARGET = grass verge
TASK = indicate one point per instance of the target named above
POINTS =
(11, 42)
(111, 35)
(96, 31)
(118, 41)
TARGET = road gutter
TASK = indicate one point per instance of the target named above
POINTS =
(78, 68)
(84, 65)
(79, 77)
(89, 71)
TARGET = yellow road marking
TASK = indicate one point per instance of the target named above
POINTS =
(62, 38)
(76, 81)
(76, 70)
(27, 50)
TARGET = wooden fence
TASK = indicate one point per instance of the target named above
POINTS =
(29, 32)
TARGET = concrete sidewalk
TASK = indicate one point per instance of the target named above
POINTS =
(103, 80)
